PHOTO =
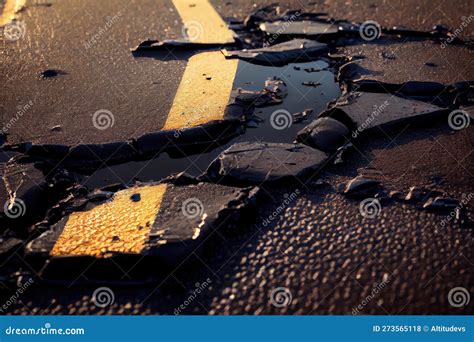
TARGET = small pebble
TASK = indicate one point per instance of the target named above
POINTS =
(50, 73)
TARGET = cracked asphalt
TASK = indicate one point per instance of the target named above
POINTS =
(305, 236)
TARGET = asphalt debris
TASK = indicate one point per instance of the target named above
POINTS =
(361, 187)
(311, 84)
(325, 134)
(163, 223)
(56, 128)
(277, 87)
(172, 44)
(49, 73)
(301, 116)
(256, 163)
(314, 28)
(442, 204)
(26, 193)
(296, 50)
(417, 194)
(164, 228)
(363, 111)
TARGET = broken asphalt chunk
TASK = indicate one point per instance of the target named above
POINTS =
(325, 134)
(26, 193)
(280, 54)
(167, 225)
(311, 84)
(192, 139)
(242, 102)
(271, 13)
(443, 204)
(417, 194)
(114, 152)
(362, 111)
(307, 28)
(48, 151)
(277, 87)
(174, 141)
(21, 191)
(301, 116)
(360, 187)
(343, 152)
(180, 44)
(85, 155)
(259, 162)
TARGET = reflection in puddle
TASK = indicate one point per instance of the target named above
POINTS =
(250, 77)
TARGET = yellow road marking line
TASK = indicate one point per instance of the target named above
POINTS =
(10, 8)
(120, 225)
(206, 84)
(200, 99)
(203, 24)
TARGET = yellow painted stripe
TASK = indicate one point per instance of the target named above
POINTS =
(204, 91)
(120, 225)
(202, 22)
(10, 8)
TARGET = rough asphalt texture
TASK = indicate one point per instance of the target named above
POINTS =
(319, 246)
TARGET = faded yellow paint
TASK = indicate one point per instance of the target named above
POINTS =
(120, 225)
(10, 9)
(204, 91)
(202, 23)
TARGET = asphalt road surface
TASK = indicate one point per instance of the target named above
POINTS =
(319, 250)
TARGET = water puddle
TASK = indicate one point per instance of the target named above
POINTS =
(318, 89)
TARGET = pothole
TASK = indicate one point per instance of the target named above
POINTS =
(310, 86)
